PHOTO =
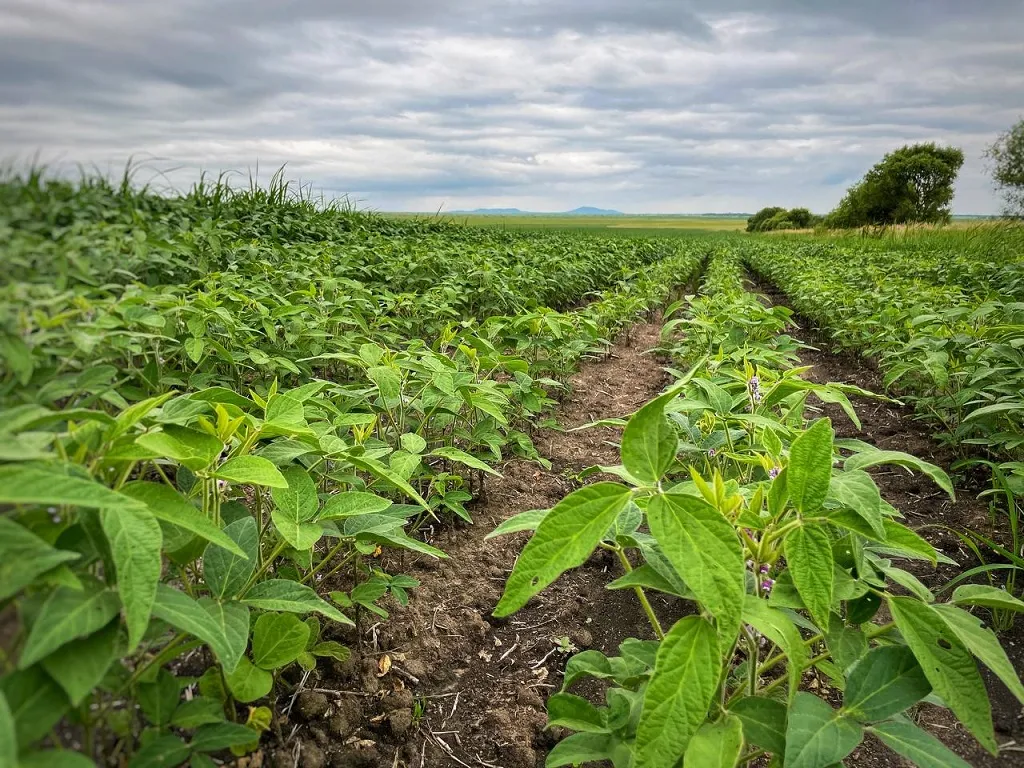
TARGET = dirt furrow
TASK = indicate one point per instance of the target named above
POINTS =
(464, 689)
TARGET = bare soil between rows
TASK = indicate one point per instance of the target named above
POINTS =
(442, 684)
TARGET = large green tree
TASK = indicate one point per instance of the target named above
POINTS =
(913, 184)
(1007, 158)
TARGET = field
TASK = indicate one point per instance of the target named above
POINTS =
(288, 484)
(632, 225)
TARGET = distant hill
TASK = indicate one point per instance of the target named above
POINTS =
(585, 210)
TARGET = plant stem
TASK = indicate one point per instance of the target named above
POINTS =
(651, 617)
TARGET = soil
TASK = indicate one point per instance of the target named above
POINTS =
(442, 684)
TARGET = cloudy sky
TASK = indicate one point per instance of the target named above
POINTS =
(640, 105)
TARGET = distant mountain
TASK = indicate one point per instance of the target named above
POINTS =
(585, 210)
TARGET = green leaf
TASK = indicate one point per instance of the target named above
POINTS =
(198, 711)
(816, 735)
(226, 572)
(232, 620)
(166, 750)
(649, 442)
(79, 666)
(565, 539)
(35, 701)
(248, 682)
(194, 348)
(461, 457)
(298, 499)
(990, 597)
(413, 443)
(290, 596)
(135, 542)
(857, 490)
(23, 556)
(716, 745)
(159, 699)
(166, 504)
(381, 472)
(580, 748)
(812, 565)
(648, 577)
(278, 639)
(388, 382)
(252, 470)
(899, 537)
(576, 713)
(809, 472)
(780, 629)
(190, 447)
(21, 484)
(352, 503)
(703, 547)
(947, 664)
(217, 736)
(764, 722)
(983, 643)
(54, 759)
(67, 615)
(182, 612)
(679, 693)
(524, 521)
(920, 747)
(331, 649)
(874, 458)
(884, 683)
(8, 736)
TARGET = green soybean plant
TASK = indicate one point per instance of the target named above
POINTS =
(782, 574)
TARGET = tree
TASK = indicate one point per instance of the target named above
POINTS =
(913, 184)
(756, 222)
(1007, 158)
(774, 217)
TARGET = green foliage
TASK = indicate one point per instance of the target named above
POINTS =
(785, 553)
(774, 218)
(913, 184)
(1006, 155)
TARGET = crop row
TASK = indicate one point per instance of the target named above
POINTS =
(732, 497)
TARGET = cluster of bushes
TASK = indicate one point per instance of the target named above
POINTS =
(773, 218)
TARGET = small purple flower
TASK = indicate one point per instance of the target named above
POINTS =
(766, 585)
(223, 485)
(754, 385)
(774, 472)
(765, 568)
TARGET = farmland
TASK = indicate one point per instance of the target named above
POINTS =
(289, 484)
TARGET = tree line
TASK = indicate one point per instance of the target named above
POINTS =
(911, 185)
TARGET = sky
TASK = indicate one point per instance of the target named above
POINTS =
(665, 106)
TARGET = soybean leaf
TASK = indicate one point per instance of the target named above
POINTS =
(780, 629)
(947, 664)
(351, 503)
(226, 572)
(703, 547)
(581, 748)
(983, 643)
(182, 612)
(79, 666)
(214, 737)
(576, 713)
(564, 539)
(809, 472)
(461, 457)
(716, 745)
(858, 491)
(166, 504)
(817, 735)
(764, 722)
(135, 542)
(21, 484)
(679, 693)
(8, 736)
(166, 750)
(54, 759)
(36, 703)
(990, 597)
(812, 565)
(885, 682)
(190, 447)
(649, 441)
(298, 499)
(67, 615)
(252, 470)
(647, 577)
(198, 711)
(278, 639)
(232, 620)
(920, 747)
(248, 682)
(159, 699)
(23, 556)
(290, 596)
(413, 443)
(874, 457)
(524, 521)
(381, 472)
